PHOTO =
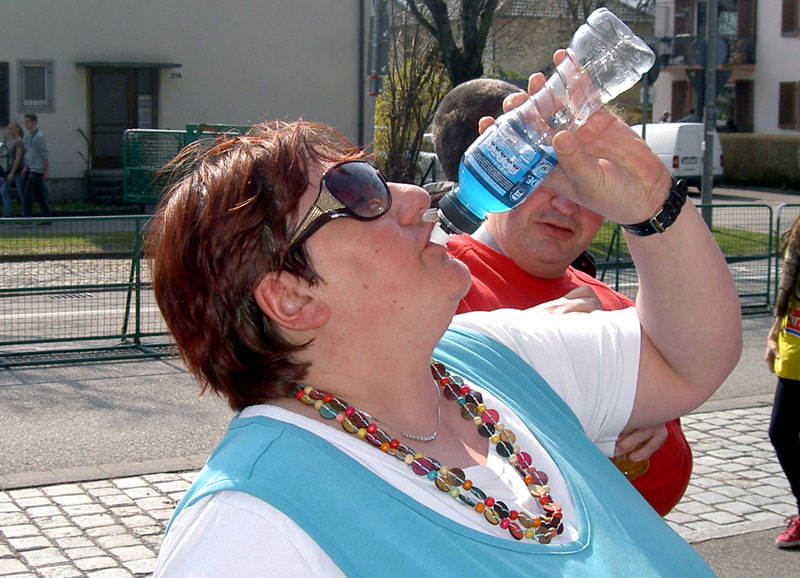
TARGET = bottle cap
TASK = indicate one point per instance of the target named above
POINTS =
(439, 236)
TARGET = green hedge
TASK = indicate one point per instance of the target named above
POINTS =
(761, 160)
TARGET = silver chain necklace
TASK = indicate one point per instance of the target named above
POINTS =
(418, 438)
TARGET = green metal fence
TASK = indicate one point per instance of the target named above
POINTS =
(785, 216)
(199, 131)
(146, 155)
(745, 234)
(78, 288)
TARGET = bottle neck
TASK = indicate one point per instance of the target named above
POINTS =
(455, 217)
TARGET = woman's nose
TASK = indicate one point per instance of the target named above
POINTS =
(408, 202)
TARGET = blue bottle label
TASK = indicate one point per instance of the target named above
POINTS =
(508, 164)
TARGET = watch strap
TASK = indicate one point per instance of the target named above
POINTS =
(666, 216)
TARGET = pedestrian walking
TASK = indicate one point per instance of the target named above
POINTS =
(16, 154)
(37, 170)
(783, 359)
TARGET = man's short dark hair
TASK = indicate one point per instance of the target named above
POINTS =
(32, 116)
(455, 124)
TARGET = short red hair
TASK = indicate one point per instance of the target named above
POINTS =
(222, 224)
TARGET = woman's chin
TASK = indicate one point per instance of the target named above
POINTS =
(463, 279)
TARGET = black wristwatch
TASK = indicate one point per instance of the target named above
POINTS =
(666, 216)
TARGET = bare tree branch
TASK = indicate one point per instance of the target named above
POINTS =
(465, 61)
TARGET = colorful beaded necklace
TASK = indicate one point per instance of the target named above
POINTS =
(520, 524)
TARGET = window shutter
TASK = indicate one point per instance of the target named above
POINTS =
(746, 18)
(787, 105)
(683, 19)
(4, 97)
(789, 17)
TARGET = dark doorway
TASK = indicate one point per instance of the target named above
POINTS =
(120, 98)
(680, 99)
(743, 111)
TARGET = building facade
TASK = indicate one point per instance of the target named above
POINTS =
(91, 69)
(758, 53)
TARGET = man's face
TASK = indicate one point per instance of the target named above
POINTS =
(545, 233)
(30, 125)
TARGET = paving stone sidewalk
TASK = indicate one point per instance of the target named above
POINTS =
(737, 484)
(112, 528)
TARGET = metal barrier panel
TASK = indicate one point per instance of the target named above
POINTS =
(145, 154)
(785, 216)
(75, 280)
(745, 234)
(614, 264)
(216, 131)
(82, 281)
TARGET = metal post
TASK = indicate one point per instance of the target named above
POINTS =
(709, 115)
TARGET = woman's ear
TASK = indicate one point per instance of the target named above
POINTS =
(290, 301)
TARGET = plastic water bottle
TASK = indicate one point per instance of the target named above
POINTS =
(510, 159)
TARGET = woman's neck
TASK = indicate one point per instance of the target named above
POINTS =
(405, 396)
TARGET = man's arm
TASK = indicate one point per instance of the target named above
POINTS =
(15, 166)
(42, 145)
(687, 302)
(773, 352)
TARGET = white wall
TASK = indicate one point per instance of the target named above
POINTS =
(242, 61)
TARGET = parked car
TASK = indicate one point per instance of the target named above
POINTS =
(680, 147)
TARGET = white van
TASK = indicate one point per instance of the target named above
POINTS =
(680, 146)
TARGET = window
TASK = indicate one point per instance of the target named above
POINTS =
(36, 86)
(727, 18)
(4, 86)
(787, 106)
(789, 17)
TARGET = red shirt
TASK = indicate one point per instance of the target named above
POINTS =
(497, 282)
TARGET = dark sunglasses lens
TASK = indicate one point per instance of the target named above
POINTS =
(358, 186)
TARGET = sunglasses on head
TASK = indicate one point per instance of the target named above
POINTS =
(352, 189)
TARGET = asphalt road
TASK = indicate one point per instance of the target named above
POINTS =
(145, 416)
(752, 554)
(72, 416)
(750, 383)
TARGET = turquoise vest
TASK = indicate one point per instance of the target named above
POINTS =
(369, 528)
